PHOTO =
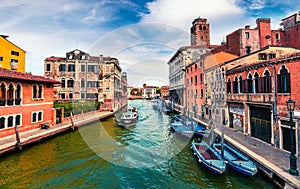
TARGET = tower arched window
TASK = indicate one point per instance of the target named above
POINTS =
(204, 27)
(200, 27)
(284, 84)
(267, 82)
(250, 84)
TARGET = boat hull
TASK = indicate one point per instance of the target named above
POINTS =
(215, 164)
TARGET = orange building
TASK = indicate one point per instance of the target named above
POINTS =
(26, 101)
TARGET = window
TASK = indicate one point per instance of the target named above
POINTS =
(256, 82)
(82, 68)
(267, 82)
(82, 96)
(18, 120)
(201, 93)
(277, 36)
(2, 123)
(89, 84)
(201, 64)
(228, 86)
(15, 53)
(63, 96)
(236, 86)
(40, 116)
(63, 85)
(248, 50)
(14, 60)
(40, 91)
(34, 91)
(91, 68)
(200, 27)
(204, 27)
(195, 66)
(262, 56)
(70, 57)
(95, 83)
(10, 121)
(10, 95)
(62, 68)
(33, 117)
(1, 58)
(283, 80)
(70, 95)
(48, 67)
(250, 84)
(18, 95)
(71, 68)
(241, 84)
(70, 83)
(247, 35)
(201, 78)
(196, 79)
(82, 83)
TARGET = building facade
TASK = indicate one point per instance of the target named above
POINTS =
(12, 57)
(257, 93)
(86, 77)
(26, 101)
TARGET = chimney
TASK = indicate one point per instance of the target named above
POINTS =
(247, 27)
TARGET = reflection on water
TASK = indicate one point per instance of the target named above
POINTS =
(108, 156)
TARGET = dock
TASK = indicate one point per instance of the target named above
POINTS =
(8, 144)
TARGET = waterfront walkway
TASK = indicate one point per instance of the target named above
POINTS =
(9, 143)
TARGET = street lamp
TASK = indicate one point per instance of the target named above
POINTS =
(293, 159)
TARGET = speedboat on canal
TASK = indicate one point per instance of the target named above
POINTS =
(236, 160)
(209, 157)
(129, 118)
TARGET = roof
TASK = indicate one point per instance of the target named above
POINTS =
(212, 60)
(53, 58)
(6, 36)
(13, 75)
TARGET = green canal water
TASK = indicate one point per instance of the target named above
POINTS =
(105, 155)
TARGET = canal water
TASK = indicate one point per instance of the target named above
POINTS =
(105, 155)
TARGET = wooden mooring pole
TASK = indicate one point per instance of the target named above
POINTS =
(19, 145)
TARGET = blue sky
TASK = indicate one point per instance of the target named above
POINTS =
(142, 34)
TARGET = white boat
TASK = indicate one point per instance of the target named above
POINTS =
(129, 118)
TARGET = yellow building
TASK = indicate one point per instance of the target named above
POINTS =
(12, 57)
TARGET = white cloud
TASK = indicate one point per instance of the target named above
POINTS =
(258, 4)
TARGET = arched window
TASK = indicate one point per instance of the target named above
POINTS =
(241, 83)
(250, 84)
(18, 95)
(267, 82)
(2, 123)
(18, 120)
(10, 122)
(228, 86)
(256, 82)
(200, 27)
(204, 27)
(284, 85)
(10, 95)
(2, 91)
(236, 85)
(40, 91)
(34, 91)
(82, 83)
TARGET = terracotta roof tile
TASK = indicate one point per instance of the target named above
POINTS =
(13, 75)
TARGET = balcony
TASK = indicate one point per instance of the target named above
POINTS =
(258, 97)
(10, 102)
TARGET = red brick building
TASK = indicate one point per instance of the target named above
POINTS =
(290, 35)
(26, 101)
(257, 95)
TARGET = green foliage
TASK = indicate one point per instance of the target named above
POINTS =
(77, 107)
(158, 90)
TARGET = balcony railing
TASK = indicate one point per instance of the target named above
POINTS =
(258, 97)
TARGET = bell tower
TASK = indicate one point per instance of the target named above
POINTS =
(200, 34)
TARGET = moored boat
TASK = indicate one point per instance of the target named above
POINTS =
(209, 157)
(236, 159)
(129, 118)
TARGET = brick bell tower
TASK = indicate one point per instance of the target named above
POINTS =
(200, 35)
